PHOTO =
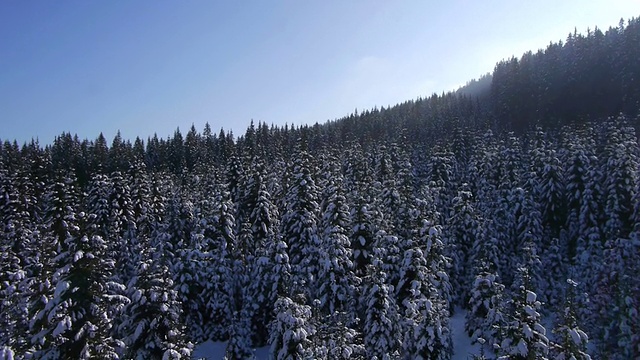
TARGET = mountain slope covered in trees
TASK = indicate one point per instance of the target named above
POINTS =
(516, 197)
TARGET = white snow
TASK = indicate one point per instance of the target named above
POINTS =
(462, 347)
(531, 297)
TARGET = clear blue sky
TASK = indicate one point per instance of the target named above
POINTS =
(149, 67)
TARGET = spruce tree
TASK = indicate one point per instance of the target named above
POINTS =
(336, 283)
(381, 318)
(300, 228)
(524, 335)
(154, 327)
(291, 331)
(571, 340)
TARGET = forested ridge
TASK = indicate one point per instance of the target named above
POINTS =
(515, 198)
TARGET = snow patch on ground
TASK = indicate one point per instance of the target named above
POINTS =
(462, 348)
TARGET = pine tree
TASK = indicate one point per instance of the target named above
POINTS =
(485, 316)
(423, 311)
(529, 232)
(60, 225)
(239, 344)
(153, 327)
(16, 248)
(300, 229)
(336, 284)
(615, 298)
(571, 341)
(85, 297)
(524, 336)
(220, 292)
(271, 279)
(264, 219)
(362, 236)
(291, 331)
(620, 168)
(463, 230)
(381, 318)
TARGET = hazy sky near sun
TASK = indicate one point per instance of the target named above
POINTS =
(149, 67)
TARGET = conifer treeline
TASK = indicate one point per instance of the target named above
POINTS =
(328, 241)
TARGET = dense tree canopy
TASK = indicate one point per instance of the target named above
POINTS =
(325, 240)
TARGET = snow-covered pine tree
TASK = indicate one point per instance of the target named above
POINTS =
(380, 326)
(239, 343)
(616, 299)
(441, 181)
(464, 229)
(430, 242)
(580, 160)
(548, 183)
(16, 251)
(485, 317)
(483, 175)
(620, 166)
(122, 224)
(387, 248)
(80, 313)
(571, 341)
(291, 330)
(554, 261)
(335, 340)
(336, 283)
(524, 335)
(13, 309)
(424, 314)
(275, 271)
(138, 229)
(268, 264)
(196, 268)
(153, 327)
(589, 242)
(335, 336)
(61, 204)
(264, 221)
(182, 233)
(235, 179)
(300, 227)
(362, 236)
(220, 290)
(529, 232)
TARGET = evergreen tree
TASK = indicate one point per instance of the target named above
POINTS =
(16, 248)
(220, 290)
(524, 336)
(239, 344)
(381, 318)
(424, 312)
(271, 279)
(291, 330)
(362, 236)
(300, 229)
(571, 341)
(336, 282)
(154, 328)
(85, 298)
(464, 230)
(486, 313)
(620, 169)
(616, 299)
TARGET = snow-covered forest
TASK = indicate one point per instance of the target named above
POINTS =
(516, 198)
